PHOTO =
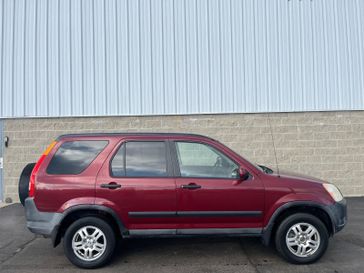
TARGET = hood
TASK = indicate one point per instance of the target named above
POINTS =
(293, 175)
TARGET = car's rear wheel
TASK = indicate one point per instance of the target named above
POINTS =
(89, 242)
(302, 238)
(23, 187)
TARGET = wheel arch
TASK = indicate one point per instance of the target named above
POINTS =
(77, 212)
(293, 207)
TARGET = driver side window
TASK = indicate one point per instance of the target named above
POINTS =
(201, 160)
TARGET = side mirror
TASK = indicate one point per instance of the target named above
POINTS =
(243, 174)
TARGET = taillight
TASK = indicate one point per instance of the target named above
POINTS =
(36, 169)
(32, 176)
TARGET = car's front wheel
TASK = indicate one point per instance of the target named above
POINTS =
(89, 242)
(302, 238)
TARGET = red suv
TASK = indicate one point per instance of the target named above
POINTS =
(90, 189)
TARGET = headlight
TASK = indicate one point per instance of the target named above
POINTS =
(334, 192)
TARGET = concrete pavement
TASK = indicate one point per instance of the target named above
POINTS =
(21, 251)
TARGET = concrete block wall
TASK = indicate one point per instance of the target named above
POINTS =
(328, 145)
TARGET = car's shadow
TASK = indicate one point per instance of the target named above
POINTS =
(192, 250)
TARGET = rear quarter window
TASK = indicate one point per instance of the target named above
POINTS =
(73, 157)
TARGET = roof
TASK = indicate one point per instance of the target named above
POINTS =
(132, 134)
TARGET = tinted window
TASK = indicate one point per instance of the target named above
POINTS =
(140, 159)
(73, 157)
(118, 162)
(200, 160)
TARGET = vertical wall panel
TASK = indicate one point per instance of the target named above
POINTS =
(65, 85)
(123, 56)
(204, 54)
(355, 57)
(7, 58)
(260, 18)
(111, 57)
(169, 66)
(215, 54)
(1, 58)
(191, 56)
(88, 57)
(359, 21)
(250, 60)
(180, 41)
(157, 87)
(142, 57)
(18, 58)
(29, 63)
(237, 54)
(76, 46)
(53, 57)
(227, 98)
(41, 53)
(134, 56)
(146, 57)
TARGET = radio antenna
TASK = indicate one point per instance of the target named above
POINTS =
(274, 146)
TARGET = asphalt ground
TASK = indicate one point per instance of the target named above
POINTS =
(21, 251)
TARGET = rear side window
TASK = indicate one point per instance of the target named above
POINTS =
(140, 159)
(73, 157)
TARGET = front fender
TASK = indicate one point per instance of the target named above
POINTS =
(292, 200)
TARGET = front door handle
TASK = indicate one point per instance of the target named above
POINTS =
(111, 186)
(191, 186)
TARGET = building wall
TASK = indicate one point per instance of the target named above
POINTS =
(142, 57)
(328, 145)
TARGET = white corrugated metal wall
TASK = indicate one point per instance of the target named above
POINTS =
(131, 57)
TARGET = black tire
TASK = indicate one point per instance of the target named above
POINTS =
(109, 249)
(23, 187)
(280, 239)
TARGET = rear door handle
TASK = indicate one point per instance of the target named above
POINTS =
(191, 186)
(111, 186)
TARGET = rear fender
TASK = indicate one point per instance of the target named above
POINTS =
(57, 234)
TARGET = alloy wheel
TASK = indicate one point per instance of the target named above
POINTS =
(303, 239)
(89, 243)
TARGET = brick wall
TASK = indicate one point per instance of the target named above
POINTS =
(328, 145)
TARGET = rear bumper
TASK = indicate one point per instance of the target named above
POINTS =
(338, 213)
(43, 223)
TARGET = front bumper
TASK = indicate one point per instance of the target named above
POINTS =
(43, 223)
(338, 213)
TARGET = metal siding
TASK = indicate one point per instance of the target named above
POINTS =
(140, 57)
(65, 85)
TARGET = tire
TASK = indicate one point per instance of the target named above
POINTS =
(288, 239)
(91, 224)
(23, 187)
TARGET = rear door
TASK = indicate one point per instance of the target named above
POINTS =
(210, 195)
(136, 181)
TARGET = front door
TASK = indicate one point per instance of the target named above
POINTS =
(136, 181)
(211, 197)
